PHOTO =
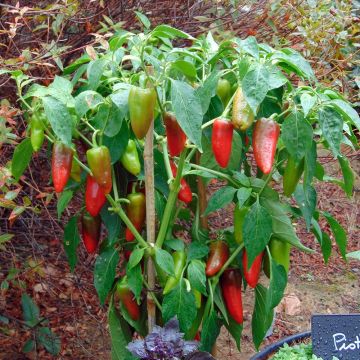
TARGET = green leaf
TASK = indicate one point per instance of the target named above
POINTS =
(21, 158)
(210, 331)
(71, 241)
(261, 318)
(135, 280)
(331, 124)
(114, 122)
(164, 260)
(112, 223)
(31, 312)
(354, 255)
(175, 244)
(87, 100)
(339, 233)
(281, 224)
(306, 198)
(235, 329)
(95, 71)
(295, 61)
(59, 118)
(104, 272)
(144, 19)
(243, 195)
(120, 334)
(220, 199)
(63, 201)
(307, 102)
(297, 135)
(187, 68)
(323, 239)
(135, 258)
(347, 111)
(117, 144)
(168, 31)
(121, 98)
(28, 346)
(257, 230)
(276, 78)
(348, 175)
(61, 89)
(219, 301)
(278, 282)
(181, 303)
(249, 46)
(310, 164)
(197, 250)
(255, 86)
(187, 109)
(196, 275)
(49, 340)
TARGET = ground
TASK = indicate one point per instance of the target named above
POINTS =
(70, 303)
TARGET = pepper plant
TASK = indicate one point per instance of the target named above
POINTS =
(143, 108)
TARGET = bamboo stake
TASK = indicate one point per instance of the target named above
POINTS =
(150, 220)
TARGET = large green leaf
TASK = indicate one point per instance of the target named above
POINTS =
(71, 241)
(331, 124)
(87, 100)
(207, 90)
(262, 318)
(188, 111)
(120, 334)
(306, 198)
(347, 111)
(31, 312)
(135, 280)
(164, 260)
(59, 118)
(112, 223)
(63, 201)
(49, 340)
(297, 135)
(21, 158)
(255, 86)
(257, 230)
(180, 302)
(278, 282)
(196, 275)
(95, 71)
(220, 199)
(210, 331)
(104, 272)
(235, 329)
(348, 175)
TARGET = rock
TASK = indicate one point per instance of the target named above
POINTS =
(291, 305)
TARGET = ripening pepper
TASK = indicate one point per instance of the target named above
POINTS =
(252, 275)
(179, 258)
(239, 216)
(37, 134)
(242, 115)
(136, 212)
(75, 172)
(280, 252)
(127, 299)
(130, 159)
(94, 196)
(141, 108)
(223, 91)
(185, 193)
(218, 255)
(265, 137)
(230, 282)
(221, 141)
(62, 156)
(91, 227)
(292, 175)
(99, 162)
(176, 137)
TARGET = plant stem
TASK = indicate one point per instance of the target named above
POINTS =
(175, 186)
(116, 208)
(156, 301)
(84, 137)
(166, 160)
(82, 165)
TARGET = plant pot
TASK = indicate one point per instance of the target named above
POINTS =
(273, 348)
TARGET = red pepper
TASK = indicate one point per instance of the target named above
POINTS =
(185, 193)
(265, 137)
(221, 140)
(231, 290)
(94, 196)
(126, 296)
(136, 212)
(62, 156)
(176, 138)
(219, 253)
(100, 165)
(252, 275)
(197, 336)
(91, 227)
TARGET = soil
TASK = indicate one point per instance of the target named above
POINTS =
(70, 303)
